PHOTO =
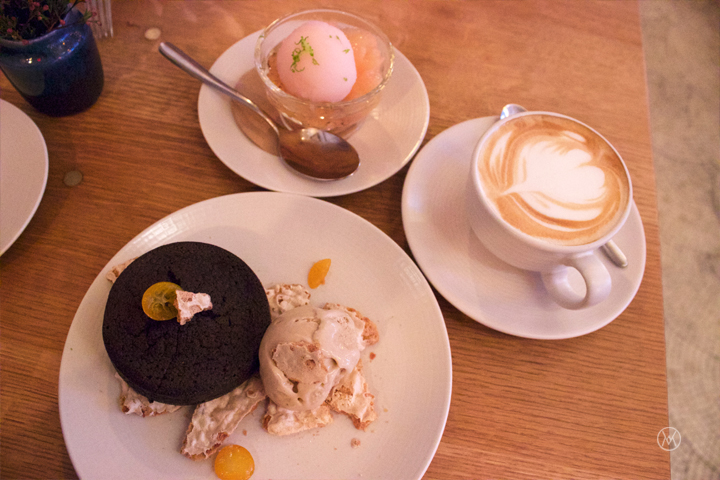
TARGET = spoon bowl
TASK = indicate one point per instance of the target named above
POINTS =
(300, 150)
(313, 153)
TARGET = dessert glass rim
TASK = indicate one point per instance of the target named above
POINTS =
(374, 29)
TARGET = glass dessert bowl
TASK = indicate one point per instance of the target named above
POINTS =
(324, 69)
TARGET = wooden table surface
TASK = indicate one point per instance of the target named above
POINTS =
(583, 408)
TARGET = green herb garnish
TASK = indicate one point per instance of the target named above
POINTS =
(303, 48)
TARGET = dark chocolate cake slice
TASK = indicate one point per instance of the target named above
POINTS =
(207, 357)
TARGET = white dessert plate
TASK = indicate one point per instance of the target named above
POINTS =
(23, 172)
(487, 290)
(386, 141)
(279, 236)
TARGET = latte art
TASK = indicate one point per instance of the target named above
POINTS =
(554, 179)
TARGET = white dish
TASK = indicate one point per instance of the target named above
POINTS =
(278, 236)
(386, 141)
(23, 172)
(487, 290)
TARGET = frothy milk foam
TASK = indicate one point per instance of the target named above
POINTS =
(554, 179)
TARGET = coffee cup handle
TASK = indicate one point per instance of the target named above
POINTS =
(596, 276)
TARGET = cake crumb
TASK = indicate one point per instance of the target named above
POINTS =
(214, 421)
(284, 297)
(245, 432)
(355, 442)
(153, 33)
(372, 355)
(189, 303)
(115, 271)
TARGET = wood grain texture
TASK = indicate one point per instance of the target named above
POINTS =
(585, 408)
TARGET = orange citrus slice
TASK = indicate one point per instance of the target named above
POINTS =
(158, 301)
(318, 271)
(234, 462)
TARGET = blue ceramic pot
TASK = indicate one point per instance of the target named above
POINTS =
(59, 73)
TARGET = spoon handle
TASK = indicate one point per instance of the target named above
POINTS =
(614, 253)
(185, 62)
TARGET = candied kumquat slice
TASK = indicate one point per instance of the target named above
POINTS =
(158, 301)
(234, 462)
(318, 271)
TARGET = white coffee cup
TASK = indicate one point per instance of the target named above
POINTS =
(545, 192)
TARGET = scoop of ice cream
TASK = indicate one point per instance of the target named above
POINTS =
(316, 62)
(306, 352)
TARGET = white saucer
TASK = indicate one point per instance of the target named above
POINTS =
(386, 141)
(23, 172)
(487, 290)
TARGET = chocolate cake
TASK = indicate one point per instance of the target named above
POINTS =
(207, 357)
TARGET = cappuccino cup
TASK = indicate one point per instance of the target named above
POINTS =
(545, 192)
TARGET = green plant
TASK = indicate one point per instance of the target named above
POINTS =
(27, 19)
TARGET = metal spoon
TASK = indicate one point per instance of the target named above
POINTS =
(314, 153)
(611, 250)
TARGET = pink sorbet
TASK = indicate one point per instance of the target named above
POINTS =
(316, 62)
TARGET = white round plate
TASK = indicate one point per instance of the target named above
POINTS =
(487, 290)
(279, 236)
(23, 172)
(386, 141)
